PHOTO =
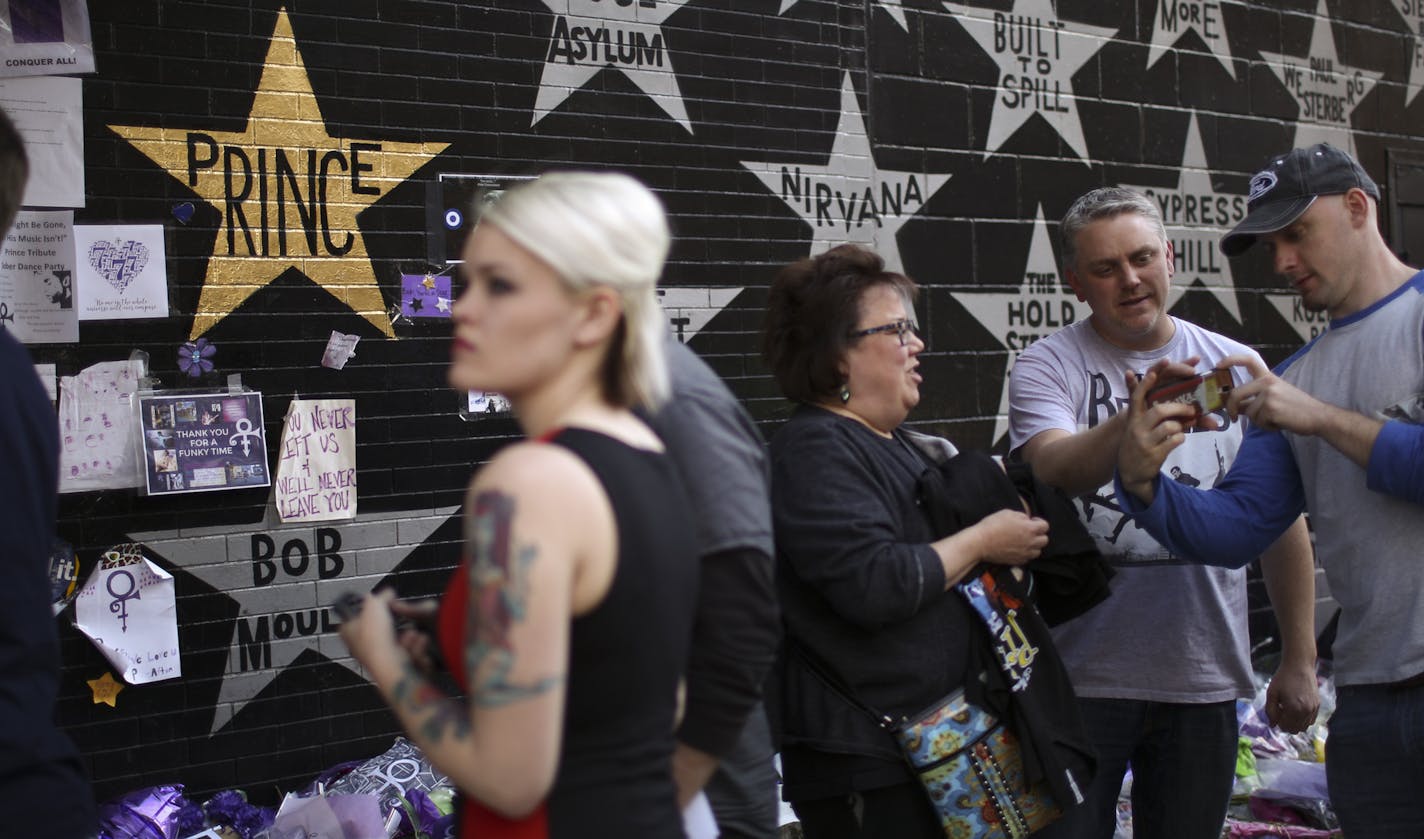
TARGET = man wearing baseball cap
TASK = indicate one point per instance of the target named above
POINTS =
(1289, 185)
(1337, 429)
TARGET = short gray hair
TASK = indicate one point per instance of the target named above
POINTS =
(1103, 203)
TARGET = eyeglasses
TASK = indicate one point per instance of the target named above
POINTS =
(900, 328)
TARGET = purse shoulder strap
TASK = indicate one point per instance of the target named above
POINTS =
(821, 671)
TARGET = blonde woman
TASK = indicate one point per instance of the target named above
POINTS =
(569, 619)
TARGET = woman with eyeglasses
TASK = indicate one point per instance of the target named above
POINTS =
(864, 587)
(567, 623)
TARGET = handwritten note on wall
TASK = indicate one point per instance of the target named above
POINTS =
(127, 609)
(316, 466)
(96, 425)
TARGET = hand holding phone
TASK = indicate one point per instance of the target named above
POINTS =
(1206, 392)
(416, 630)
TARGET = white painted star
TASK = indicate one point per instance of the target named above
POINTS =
(1327, 91)
(688, 310)
(1307, 324)
(1413, 13)
(1037, 53)
(589, 35)
(849, 199)
(891, 7)
(291, 608)
(442, 304)
(1196, 217)
(1175, 18)
(1040, 306)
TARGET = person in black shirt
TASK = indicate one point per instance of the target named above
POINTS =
(724, 742)
(38, 763)
(863, 582)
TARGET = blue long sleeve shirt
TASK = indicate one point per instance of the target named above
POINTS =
(1369, 522)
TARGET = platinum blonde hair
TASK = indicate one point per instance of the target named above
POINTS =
(601, 229)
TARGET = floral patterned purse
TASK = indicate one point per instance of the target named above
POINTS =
(967, 760)
(970, 766)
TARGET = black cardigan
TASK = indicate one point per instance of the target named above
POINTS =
(863, 596)
(862, 590)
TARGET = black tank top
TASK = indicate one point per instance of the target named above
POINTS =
(628, 655)
(626, 659)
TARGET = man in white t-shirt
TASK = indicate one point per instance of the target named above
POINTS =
(1159, 665)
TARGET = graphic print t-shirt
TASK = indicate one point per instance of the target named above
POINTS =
(1171, 631)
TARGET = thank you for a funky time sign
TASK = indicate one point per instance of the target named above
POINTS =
(316, 466)
(200, 442)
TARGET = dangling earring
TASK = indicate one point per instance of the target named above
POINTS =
(845, 393)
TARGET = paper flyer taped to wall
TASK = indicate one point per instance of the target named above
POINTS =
(48, 113)
(37, 278)
(426, 295)
(96, 427)
(127, 609)
(339, 349)
(316, 462)
(45, 38)
(121, 271)
(202, 442)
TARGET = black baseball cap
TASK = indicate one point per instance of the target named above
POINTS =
(1287, 187)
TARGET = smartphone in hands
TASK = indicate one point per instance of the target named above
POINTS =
(1206, 392)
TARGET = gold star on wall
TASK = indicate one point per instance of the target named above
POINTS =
(287, 191)
(106, 690)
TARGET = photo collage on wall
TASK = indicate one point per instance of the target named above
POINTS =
(199, 442)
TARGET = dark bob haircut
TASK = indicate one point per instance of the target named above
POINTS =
(813, 307)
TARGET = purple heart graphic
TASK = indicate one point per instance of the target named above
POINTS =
(119, 261)
(183, 212)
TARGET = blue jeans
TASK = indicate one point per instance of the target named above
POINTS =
(1183, 760)
(1374, 761)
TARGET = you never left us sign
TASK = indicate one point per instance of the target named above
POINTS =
(316, 465)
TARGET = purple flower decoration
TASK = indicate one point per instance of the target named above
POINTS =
(189, 819)
(193, 357)
(231, 808)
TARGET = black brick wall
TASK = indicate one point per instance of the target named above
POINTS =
(758, 87)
